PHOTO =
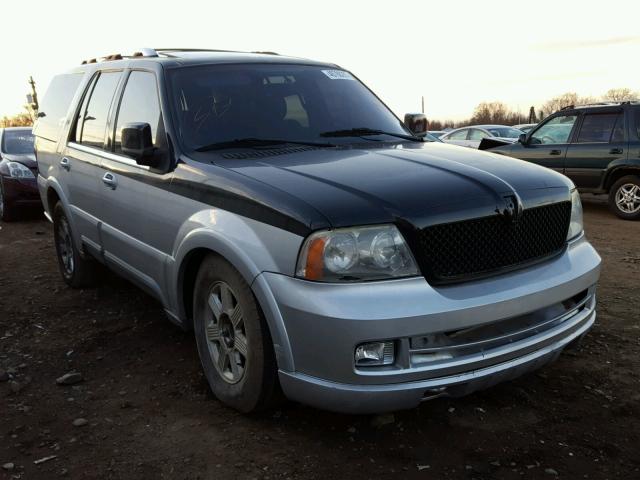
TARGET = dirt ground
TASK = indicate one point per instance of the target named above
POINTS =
(149, 413)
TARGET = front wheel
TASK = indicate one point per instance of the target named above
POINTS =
(233, 339)
(7, 210)
(624, 197)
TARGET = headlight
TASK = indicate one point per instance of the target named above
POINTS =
(356, 254)
(18, 170)
(575, 226)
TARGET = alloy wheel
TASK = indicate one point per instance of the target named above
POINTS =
(628, 198)
(226, 334)
(65, 246)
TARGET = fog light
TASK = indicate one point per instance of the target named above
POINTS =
(374, 354)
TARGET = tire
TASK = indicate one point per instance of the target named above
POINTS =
(78, 271)
(626, 188)
(233, 339)
(7, 209)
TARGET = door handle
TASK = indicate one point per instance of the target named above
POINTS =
(615, 151)
(65, 163)
(109, 179)
(555, 152)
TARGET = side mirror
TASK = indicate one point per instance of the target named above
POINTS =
(137, 143)
(522, 138)
(417, 123)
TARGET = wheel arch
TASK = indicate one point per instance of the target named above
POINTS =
(617, 173)
(193, 250)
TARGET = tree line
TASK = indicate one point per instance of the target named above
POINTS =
(499, 113)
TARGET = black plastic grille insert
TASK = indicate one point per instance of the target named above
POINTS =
(459, 251)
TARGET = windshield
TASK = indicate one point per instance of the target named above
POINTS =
(299, 103)
(17, 142)
(506, 132)
(430, 137)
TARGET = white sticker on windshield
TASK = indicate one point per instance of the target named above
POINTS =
(338, 75)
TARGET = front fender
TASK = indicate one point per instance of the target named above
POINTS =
(252, 247)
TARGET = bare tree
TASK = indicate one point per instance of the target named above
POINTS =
(491, 112)
(560, 102)
(621, 95)
(19, 120)
(498, 112)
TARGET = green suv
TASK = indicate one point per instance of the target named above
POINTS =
(596, 146)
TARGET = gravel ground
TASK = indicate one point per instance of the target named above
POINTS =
(142, 409)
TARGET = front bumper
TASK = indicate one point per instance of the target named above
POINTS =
(323, 324)
(21, 191)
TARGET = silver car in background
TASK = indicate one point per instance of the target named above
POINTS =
(472, 136)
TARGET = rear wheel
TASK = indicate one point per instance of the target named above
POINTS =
(624, 197)
(77, 270)
(234, 344)
(7, 209)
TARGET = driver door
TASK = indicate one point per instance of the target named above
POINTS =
(138, 227)
(547, 145)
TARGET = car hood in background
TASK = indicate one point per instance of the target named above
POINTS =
(423, 184)
(27, 159)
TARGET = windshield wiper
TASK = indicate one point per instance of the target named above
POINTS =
(363, 131)
(251, 142)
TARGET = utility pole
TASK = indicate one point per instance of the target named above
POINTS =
(423, 104)
(32, 100)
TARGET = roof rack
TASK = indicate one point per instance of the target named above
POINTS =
(598, 104)
(146, 52)
(143, 52)
(165, 52)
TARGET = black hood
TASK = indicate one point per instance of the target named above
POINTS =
(27, 159)
(422, 184)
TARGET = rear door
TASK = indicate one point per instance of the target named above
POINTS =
(138, 229)
(547, 145)
(601, 140)
(80, 166)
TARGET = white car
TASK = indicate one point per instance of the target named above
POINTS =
(472, 136)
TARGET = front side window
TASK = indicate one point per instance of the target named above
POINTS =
(93, 117)
(222, 103)
(556, 130)
(477, 134)
(597, 128)
(139, 104)
(17, 142)
(459, 135)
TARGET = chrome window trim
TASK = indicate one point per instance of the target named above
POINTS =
(107, 155)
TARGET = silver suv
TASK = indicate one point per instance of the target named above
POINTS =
(315, 244)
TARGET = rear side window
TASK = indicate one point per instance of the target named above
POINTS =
(597, 128)
(55, 105)
(92, 122)
(618, 131)
(139, 104)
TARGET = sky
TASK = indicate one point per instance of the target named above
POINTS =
(455, 54)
